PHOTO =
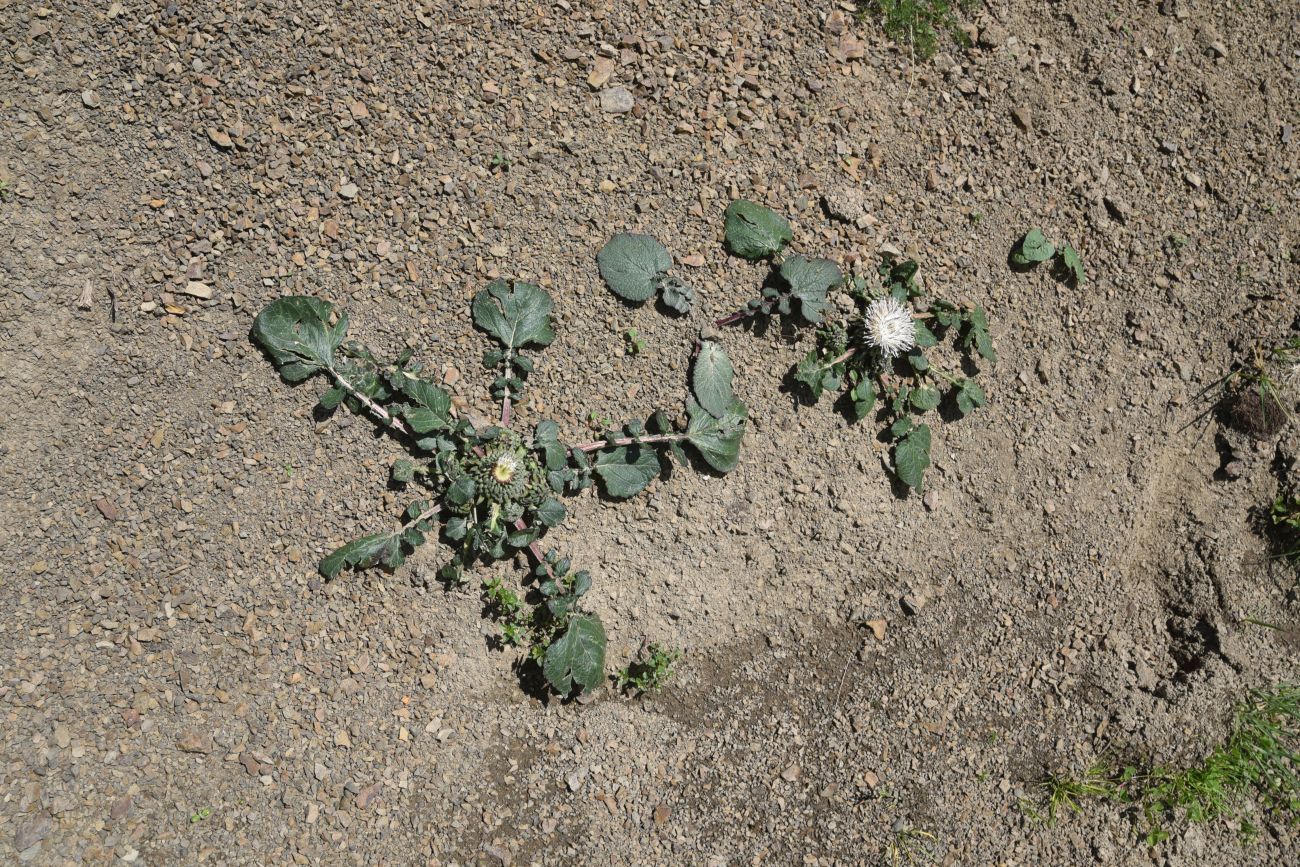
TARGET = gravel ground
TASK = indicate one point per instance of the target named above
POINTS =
(179, 687)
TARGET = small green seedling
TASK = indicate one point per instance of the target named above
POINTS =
(908, 844)
(500, 162)
(635, 268)
(876, 353)
(649, 671)
(200, 815)
(1033, 248)
(919, 24)
(5, 191)
(490, 491)
(633, 343)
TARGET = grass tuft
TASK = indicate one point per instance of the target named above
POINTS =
(919, 24)
(1261, 755)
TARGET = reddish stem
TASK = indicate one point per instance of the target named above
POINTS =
(732, 319)
(596, 445)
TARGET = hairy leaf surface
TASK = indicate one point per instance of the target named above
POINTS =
(711, 377)
(755, 232)
(633, 265)
(516, 315)
(577, 656)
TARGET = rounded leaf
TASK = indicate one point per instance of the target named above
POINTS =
(632, 265)
(755, 232)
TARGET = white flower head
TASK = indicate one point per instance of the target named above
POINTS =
(505, 468)
(889, 327)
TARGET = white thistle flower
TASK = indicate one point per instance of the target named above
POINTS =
(505, 468)
(889, 327)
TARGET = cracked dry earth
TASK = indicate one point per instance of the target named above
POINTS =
(179, 687)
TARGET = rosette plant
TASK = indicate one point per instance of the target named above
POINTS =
(876, 355)
(491, 491)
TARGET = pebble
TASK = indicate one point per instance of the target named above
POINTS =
(194, 742)
(90, 99)
(616, 100)
(32, 830)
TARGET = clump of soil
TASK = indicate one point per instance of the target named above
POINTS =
(1256, 413)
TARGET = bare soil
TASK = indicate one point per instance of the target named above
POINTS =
(180, 687)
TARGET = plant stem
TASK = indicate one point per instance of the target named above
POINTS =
(733, 318)
(597, 445)
(535, 549)
(849, 353)
(505, 411)
(375, 409)
(423, 516)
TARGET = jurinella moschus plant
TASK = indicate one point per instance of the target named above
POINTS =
(880, 356)
(490, 491)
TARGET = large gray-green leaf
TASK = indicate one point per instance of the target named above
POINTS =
(515, 315)
(626, 470)
(755, 232)
(809, 281)
(912, 456)
(716, 439)
(711, 378)
(633, 265)
(385, 548)
(296, 333)
(577, 656)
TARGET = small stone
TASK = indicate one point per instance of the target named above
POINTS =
(877, 627)
(90, 99)
(600, 72)
(1118, 209)
(791, 773)
(993, 35)
(62, 736)
(616, 100)
(359, 110)
(1194, 179)
(198, 289)
(108, 509)
(368, 794)
(32, 831)
(662, 814)
(1023, 116)
(912, 605)
(931, 500)
(194, 742)
(870, 779)
(120, 808)
(349, 191)
(219, 138)
(574, 780)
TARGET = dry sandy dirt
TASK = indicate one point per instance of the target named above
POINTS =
(179, 687)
